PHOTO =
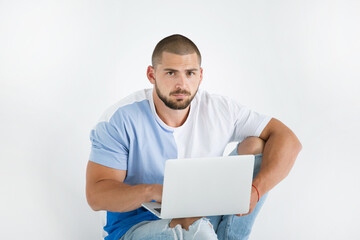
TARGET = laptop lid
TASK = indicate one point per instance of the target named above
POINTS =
(207, 186)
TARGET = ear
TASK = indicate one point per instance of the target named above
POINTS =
(150, 73)
(201, 75)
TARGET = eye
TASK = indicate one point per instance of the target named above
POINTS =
(191, 73)
(170, 73)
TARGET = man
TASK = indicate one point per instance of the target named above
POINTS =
(176, 119)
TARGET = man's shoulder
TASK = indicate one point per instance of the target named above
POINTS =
(126, 103)
(215, 100)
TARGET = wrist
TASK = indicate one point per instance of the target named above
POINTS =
(148, 190)
(259, 187)
(257, 192)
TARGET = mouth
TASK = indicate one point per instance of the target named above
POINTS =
(180, 96)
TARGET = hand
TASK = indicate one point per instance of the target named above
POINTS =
(184, 222)
(156, 192)
(253, 202)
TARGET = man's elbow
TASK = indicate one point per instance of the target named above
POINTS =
(293, 146)
(291, 139)
(297, 144)
(296, 148)
(93, 201)
(299, 147)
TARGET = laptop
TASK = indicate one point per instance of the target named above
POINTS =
(195, 187)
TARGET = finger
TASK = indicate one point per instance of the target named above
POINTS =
(250, 210)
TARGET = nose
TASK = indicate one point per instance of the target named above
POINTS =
(181, 80)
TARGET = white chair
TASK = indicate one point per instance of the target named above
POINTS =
(102, 217)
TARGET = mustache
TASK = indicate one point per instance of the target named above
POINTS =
(180, 91)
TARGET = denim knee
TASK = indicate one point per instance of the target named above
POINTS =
(201, 229)
(257, 162)
(160, 229)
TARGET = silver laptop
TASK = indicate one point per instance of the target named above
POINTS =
(195, 187)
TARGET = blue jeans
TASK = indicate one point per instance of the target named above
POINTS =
(225, 227)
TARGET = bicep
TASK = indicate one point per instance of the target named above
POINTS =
(274, 126)
(96, 172)
(101, 181)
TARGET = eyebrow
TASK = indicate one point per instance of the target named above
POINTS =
(174, 70)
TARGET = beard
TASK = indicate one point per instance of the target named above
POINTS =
(177, 104)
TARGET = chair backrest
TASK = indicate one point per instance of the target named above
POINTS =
(102, 217)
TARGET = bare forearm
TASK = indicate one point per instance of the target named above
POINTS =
(111, 195)
(280, 152)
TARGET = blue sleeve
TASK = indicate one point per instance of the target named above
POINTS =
(109, 146)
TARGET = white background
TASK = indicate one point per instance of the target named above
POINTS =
(63, 63)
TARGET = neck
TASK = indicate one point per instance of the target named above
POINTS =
(171, 117)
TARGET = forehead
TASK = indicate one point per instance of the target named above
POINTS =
(172, 60)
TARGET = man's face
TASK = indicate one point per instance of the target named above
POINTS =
(177, 79)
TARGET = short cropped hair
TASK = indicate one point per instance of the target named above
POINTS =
(177, 44)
